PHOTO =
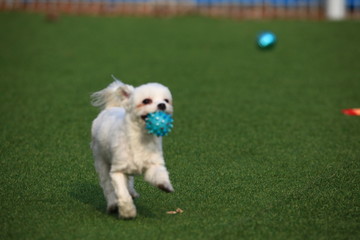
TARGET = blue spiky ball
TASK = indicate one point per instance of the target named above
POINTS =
(159, 123)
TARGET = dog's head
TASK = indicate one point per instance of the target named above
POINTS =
(145, 99)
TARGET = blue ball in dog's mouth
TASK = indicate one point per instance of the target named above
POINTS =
(159, 123)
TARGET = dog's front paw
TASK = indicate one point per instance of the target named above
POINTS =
(127, 212)
(166, 187)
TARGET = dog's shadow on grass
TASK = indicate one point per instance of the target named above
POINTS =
(91, 194)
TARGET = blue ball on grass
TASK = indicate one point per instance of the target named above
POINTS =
(266, 40)
(159, 123)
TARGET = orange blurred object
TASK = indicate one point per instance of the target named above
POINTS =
(352, 111)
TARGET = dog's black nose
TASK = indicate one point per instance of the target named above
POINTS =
(161, 106)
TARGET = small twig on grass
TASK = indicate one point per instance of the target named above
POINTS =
(178, 210)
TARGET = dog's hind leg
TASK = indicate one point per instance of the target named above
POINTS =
(126, 205)
(158, 176)
(131, 187)
(103, 169)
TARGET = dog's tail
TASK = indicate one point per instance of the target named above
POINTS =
(112, 96)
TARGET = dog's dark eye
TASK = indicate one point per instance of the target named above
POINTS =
(147, 101)
(166, 100)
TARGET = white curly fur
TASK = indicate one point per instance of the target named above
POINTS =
(122, 147)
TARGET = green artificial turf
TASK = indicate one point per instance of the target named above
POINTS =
(260, 148)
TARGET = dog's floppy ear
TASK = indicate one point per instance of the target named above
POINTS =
(115, 95)
(125, 91)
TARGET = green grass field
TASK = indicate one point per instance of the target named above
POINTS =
(260, 148)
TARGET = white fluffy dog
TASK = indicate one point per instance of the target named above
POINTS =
(121, 145)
